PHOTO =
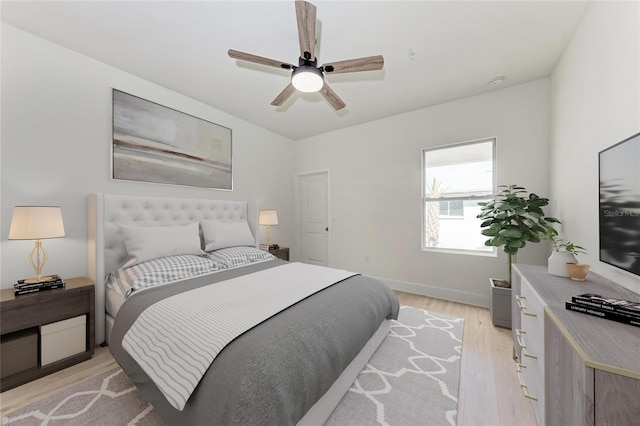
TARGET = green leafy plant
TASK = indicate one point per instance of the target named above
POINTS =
(513, 219)
(563, 245)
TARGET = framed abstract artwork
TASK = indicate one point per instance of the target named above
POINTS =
(154, 143)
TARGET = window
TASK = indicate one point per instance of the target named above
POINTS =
(455, 179)
(451, 208)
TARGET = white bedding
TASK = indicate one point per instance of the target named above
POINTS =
(113, 302)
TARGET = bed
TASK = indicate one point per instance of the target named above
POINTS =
(224, 333)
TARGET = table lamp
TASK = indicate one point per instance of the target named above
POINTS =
(268, 218)
(36, 223)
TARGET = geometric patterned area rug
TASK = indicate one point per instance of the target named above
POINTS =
(412, 378)
(107, 399)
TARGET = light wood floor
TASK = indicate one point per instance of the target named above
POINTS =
(490, 393)
(489, 390)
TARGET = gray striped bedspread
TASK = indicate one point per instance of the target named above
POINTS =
(176, 339)
(274, 372)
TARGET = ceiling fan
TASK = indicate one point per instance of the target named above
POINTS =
(307, 76)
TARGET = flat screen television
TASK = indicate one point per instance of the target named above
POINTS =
(619, 170)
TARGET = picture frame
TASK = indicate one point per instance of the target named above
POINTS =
(158, 144)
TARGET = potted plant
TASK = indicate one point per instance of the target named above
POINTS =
(576, 270)
(564, 252)
(510, 221)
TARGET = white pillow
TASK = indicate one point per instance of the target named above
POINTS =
(150, 242)
(219, 235)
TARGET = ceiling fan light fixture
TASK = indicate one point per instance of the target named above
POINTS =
(307, 78)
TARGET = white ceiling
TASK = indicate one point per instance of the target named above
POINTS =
(434, 51)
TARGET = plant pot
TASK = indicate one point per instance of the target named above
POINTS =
(557, 264)
(578, 271)
(500, 305)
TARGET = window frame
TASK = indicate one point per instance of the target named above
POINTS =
(451, 216)
(493, 252)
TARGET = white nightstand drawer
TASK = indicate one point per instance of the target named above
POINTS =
(63, 339)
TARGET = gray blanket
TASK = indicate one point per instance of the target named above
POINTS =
(276, 371)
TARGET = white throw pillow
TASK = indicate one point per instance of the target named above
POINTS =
(219, 235)
(150, 242)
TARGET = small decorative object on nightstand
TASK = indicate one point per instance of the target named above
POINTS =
(24, 287)
(268, 218)
(46, 331)
(280, 253)
(36, 223)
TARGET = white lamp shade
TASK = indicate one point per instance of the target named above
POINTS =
(268, 217)
(307, 79)
(36, 222)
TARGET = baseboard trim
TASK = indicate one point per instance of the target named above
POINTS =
(438, 292)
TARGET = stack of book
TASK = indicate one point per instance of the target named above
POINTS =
(609, 308)
(24, 287)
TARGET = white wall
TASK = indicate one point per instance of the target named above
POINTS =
(375, 191)
(56, 148)
(56, 135)
(595, 104)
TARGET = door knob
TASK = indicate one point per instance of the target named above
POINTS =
(326, 229)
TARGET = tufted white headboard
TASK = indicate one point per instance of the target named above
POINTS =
(107, 212)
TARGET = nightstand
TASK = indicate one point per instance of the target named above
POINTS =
(45, 332)
(280, 253)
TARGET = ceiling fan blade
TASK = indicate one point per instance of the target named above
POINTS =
(306, 17)
(236, 54)
(284, 95)
(369, 63)
(331, 96)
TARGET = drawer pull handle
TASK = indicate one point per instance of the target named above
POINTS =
(527, 354)
(519, 367)
(526, 393)
(523, 347)
(519, 334)
(523, 308)
(525, 390)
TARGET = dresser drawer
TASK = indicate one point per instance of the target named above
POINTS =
(530, 304)
(531, 374)
(530, 339)
(531, 309)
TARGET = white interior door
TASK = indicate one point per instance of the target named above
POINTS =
(314, 218)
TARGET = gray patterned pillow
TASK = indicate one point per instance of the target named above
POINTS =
(158, 271)
(238, 256)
